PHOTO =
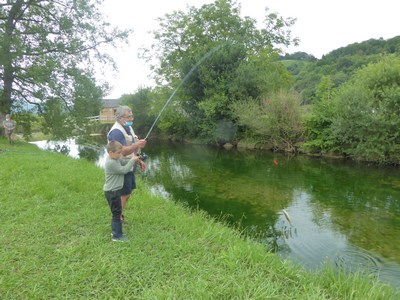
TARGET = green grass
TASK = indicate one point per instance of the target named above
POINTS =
(55, 244)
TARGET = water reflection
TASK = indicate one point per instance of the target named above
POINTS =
(75, 149)
(341, 211)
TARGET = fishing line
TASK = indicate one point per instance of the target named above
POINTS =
(180, 84)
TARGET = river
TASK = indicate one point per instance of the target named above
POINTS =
(306, 209)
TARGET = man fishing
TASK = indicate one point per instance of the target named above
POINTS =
(122, 132)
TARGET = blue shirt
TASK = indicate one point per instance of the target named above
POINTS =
(117, 135)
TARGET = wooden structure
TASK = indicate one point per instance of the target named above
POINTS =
(107, 113)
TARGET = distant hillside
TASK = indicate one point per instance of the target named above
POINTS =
(339, 64)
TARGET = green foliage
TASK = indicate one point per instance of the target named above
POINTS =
(238, 61)
(260, 74)
(141, 103)
(149, 103)
(325, 89)
(87, 100)
(297, 61)
(318, 122)
(367, 114)
(174, 123)
(57, 121)
(303, 56)
(367, 48)
(294, 66)
(276, 120)
(339, 65)
(47, 49)
(317, 125)
(24, 121)
(361, 118)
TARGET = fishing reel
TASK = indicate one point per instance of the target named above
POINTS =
(143, 156)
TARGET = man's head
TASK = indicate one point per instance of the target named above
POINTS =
(114, 149)
(8, 117)
(124, 115)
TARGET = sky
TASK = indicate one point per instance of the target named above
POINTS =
(322, 26)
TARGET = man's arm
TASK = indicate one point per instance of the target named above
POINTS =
(126, 150)
(116, 135)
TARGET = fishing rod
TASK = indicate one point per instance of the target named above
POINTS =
(180, 84)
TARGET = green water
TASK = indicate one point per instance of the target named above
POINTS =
(341, 210)
(346, 212)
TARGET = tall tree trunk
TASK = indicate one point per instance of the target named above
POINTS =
(8, 75)
(8, 78)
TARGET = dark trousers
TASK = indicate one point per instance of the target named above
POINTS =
(9, 135)
(114, 201)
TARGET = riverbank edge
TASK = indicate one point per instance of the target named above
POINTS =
(245, 145)
(242, 145)
(174, 253)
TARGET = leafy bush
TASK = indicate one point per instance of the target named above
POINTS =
(276, 119)
(366, 124)
(317, 126)
(318, 123)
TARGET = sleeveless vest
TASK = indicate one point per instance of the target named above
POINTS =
(129, 139)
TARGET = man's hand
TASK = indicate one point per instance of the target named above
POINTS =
(141, 143)
(126, 150)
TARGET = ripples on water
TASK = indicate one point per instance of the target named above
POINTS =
(358, 260)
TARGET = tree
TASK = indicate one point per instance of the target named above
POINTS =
(339, 65)
(47, 50)
(276, 120)
(140, 103)
(217, 57)
(318, 126)
(367, 119)
(56, 120)
(87, 99)
(299, 56)
(325, 89)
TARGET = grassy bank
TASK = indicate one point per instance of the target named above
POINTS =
(55, 243)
